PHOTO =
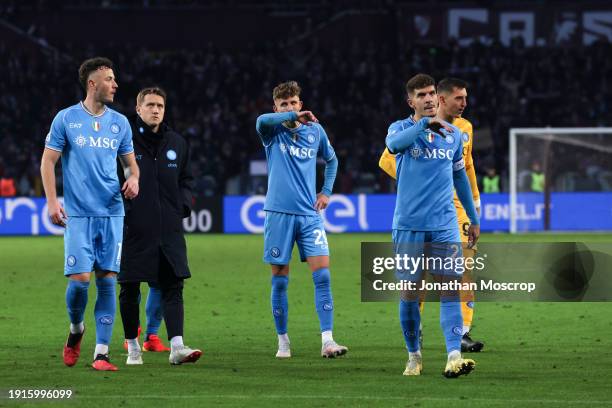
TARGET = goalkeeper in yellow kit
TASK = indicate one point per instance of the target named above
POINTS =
(452, 98)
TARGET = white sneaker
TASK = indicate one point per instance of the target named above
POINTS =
(134, 358)
(284, 350)
(414, 366)
(332, 349)
(184, 354)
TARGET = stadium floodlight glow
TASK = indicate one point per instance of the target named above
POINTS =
(533, 144)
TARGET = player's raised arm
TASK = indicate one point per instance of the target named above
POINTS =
(265, 124)
(399, 140)
(47, 171)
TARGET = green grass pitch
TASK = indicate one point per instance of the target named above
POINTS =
(536, 354)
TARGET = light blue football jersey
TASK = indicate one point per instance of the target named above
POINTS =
(425, 168)
(89, 145)
(292, 163)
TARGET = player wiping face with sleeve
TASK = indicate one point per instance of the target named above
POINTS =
(294, 140)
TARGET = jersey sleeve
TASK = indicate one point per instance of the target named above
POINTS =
(126, 146)
(469, 166)
(388, 164)
(56, 138)
(325, 148)
(266, 125)
(458, 161)
(394, 128)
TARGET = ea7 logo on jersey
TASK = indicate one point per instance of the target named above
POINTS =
(73, 125)
(439, 154)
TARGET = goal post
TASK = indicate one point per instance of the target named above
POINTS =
(545, 162)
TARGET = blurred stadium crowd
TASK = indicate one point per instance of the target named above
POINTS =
(215, 97)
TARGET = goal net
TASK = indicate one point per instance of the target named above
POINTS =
(560, 179)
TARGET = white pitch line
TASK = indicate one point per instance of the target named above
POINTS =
(348, 397)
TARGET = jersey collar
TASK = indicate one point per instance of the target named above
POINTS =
(91, 114)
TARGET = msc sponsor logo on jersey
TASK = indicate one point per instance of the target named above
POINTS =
(299, 152)
(439, 154)
(442, 154)
(74, 125)
(99, 142)
(416, 152)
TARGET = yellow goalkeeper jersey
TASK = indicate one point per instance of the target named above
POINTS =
(387, 162)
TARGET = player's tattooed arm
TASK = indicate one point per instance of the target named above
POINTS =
(132, 174)
(47, 171)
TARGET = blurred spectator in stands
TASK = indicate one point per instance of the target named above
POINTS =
(490, 182)
(7, 187)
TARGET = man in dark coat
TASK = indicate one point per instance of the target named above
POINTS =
(154, 249)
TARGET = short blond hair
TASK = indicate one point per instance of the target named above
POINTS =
(155, 90)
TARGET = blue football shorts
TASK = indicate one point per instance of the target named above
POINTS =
(438, 252)
(282, 230)
(92, 243)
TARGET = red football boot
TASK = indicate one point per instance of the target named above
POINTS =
(102, 363)
(72, 348)
(155, 344)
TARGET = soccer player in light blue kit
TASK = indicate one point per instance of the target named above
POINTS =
(88, 137)
(293, 140)
(429, 165)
